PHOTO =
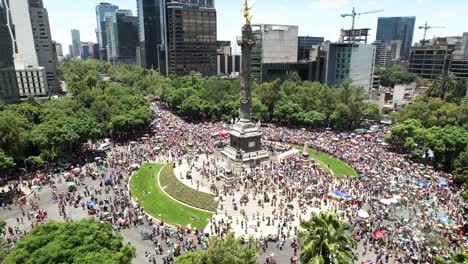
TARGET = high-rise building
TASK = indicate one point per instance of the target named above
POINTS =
(96, 51)
(152, 34)
(194, 47)
(274, 44)
(440, 56)
(45, 48)
(30, 75)
(123, 40)
(8, 86)
(350, 61)
(102, 11)
(305, 45)
(387, 52)
(164, 46)
(76, 43)
(397, 28)
(70, 52)
(84, 52)
(59, 49)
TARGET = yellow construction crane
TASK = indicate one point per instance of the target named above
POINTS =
(354, 14)
(426, 28)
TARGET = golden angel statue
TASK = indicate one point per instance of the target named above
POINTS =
(247, 15)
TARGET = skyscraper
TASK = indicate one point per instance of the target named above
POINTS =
(397, 28)
(152, 34)
(102, 32)
(30, 76)
(165, 46)
(194, 48)
(43, 42)
(76, 43)
(127, 37)
(8, 86)
(350, 61)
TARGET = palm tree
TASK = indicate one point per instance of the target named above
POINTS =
(446, 84)
(324, 239)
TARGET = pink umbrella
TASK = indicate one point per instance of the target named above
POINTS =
(379, 234)
(224, 133)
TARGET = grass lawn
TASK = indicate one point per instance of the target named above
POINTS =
(328, 162)
(181, 192)
(159, 205)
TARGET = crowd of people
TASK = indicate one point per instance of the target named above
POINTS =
(399, 211)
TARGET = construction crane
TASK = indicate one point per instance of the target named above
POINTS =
(426, 28)
(354, 14)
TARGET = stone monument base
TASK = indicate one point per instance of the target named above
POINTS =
(245, 145)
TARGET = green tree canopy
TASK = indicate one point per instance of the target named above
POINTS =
(325, 239)
(227, 250)
(81, 242)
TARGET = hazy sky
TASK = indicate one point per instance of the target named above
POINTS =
(314, 17)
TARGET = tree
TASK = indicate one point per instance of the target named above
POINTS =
(6, 163)
(269, 94)
(395, 75)
(227, 250)
(84, 242)
(445, 85)
(324, 239)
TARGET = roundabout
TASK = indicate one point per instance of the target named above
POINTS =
(146, 190)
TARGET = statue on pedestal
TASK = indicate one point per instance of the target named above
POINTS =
(305, 151)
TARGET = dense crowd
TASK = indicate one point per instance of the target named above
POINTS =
(399, 210)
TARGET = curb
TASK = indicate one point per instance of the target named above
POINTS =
(162, 189)
(158, 221)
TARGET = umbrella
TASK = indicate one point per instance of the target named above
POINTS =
(444, 219)
(385, 201)
(71, 183)
(379, 234)
(363, 214)
(66, 174)
(224, 133)
(393, 200)
(91, 203)
(75, 170)
(397, 169)
(422, 184)
(97, 158)
(442, 182)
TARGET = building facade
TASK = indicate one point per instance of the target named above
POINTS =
(397, 28)
(274, 44)
(228, 64)
(9, 92)
(24, 48)
(350, 61)
(191, 37)
(32, 82)
(102, 30)
(387, 52)
(178, 37)
(45, 48)
(152, 34)
(126, 41)
(76, 43)
(429, 61)
(305, 44)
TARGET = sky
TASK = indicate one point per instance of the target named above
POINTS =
(319, 18)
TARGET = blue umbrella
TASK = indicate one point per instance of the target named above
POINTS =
(422, 184)
(91, 203)
(444, 219)
(442, 182)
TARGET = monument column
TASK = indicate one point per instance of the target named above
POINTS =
(247, 42)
